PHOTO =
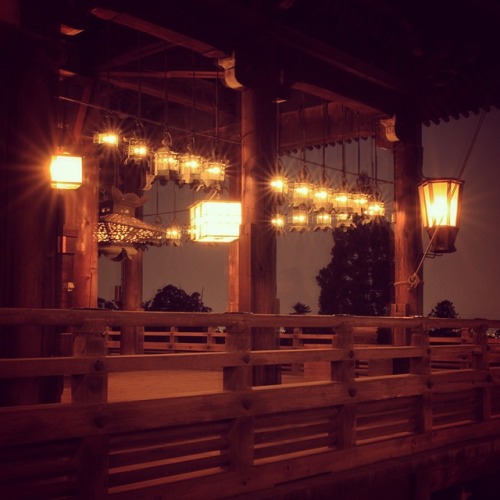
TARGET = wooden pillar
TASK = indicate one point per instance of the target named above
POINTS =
(257, 242)
(132, 337)
(408, 227)
(29, 215)
(85, 265)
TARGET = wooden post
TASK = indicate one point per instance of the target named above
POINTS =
(422, 366)
(29, 218)
(257, 242)
(239, 378)
(408, 227)
(132, 337)
(343, 371)
(92, 458)
(85, 262)
(89, 341)
(480, 361)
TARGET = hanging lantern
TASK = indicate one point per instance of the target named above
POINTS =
(323, 221)
(166, 163)
(278, 222)
(359, 203)
(440, 204)
(213, 172)
(106, 138)
(215, 221)
(375, 208)
(119, 232)
(173, 234)
(342, 206)
(301, 194)
(279, 185)
(66, 171)
(137, 149)
(323, 198)
(190, 167)
(299, 220)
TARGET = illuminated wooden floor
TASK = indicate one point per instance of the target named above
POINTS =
(160, 384)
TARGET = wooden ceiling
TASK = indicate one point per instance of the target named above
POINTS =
(330, 62)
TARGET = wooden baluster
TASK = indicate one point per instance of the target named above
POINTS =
(88, 342)
(297, 343)
(92, 458)
(422, 366)
(239, 378)
(343, 372)
(172, 338)
(481, 361)
(210, 338)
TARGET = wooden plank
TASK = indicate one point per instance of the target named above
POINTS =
(92, 467)
(290, 433)
(158, 451)
(144, 439)
(74, 317)
(310, 415)
(124, 475)
(279, 451)
(266, 475)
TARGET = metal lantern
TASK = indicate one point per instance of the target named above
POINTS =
(213, 172)
(323, 221)
(440, 204)
(166, 163)
(299, 220)
(375, 208)
(66, 171)
(190, 167)
(106, 138)
(301, 194)
(323, 198)
(173, 234)
(278, 222)
(215, 221)
(279, 185)
(137, 149)
(359, 203)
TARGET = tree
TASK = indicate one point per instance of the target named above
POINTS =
(444, 309)
(300, 308)
(359, 278)
(171, 298)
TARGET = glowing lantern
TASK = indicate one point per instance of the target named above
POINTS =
(166, 163)
(279, 184)
(215, 221)
(323, 221)
(300, 220)
(66, 171)
(137, 149)
(106, 138)
(440, 204)
(190, 167)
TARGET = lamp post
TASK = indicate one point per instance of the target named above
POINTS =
(440, 204)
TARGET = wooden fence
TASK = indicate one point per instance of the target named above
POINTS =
(236, 438)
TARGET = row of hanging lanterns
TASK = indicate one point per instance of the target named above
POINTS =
(304, 205)
(188, 168)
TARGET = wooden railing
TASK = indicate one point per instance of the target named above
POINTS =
(235, 438)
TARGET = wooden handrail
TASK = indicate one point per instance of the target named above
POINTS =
(238, 435)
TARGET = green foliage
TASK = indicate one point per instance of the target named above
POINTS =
(444, 309)
(300, 308)
(171, 298)
(359, 278)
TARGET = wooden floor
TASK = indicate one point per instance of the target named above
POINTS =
(130, 386)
